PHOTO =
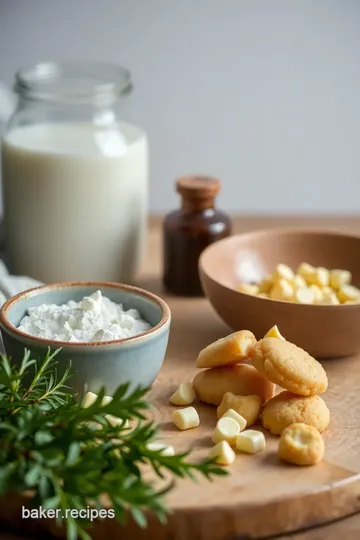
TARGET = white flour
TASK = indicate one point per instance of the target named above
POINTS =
(94, 318)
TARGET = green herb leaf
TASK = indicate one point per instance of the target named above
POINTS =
(71, 456)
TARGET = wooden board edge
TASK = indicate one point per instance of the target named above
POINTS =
(280, 516)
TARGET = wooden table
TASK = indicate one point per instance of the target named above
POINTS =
(348, 528)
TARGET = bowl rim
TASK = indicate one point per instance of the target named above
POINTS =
(22, 296)
(282, 230)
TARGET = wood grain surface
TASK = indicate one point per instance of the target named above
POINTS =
(261, 497)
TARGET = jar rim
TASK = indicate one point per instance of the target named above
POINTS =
(75, 81)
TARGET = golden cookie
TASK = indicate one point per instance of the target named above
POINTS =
(286, 409)
(227, 351)
(210, 385)
(289, 366)
(248, 406)
(301, 444)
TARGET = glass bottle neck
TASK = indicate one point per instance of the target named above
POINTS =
(189, 206)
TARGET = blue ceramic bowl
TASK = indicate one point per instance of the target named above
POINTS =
(136, 360)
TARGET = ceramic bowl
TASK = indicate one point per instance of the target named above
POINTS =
(136, 360)
(324, 331)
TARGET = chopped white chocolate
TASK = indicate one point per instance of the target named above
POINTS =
(250, 441)
(274, 332)
(90, 399)
(320, 277)
(330, 298)
(265, 284)
(226, 430)
(305, 270)
(237, 417)
(282, 290)
(299, 282)
(283, 271)
(318, 293)
(166, 450)
(184, 395)
(327, 291)
(186, 418)
(115, 421)
(223, 453)
(247, 288)
(348, 292)
(304, 296)
(339, 278)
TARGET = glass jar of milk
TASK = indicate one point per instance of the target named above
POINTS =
(75, 175)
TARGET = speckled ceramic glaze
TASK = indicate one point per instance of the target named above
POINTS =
(136, 360)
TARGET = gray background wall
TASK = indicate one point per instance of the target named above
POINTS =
(264, 94)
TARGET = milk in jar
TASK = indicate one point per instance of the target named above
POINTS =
(74, 191)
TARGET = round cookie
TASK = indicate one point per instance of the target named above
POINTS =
(289, 366)
(286, 409)
(301, 444)
(211, 385)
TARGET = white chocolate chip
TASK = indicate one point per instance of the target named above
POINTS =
(247, 288)
(115, 421)
(339, 278)
(320, 276)
(318, 294)
(90, 399)
(250, 441)
(274, 332)
(186, 418)
(106, 400)
(326, 291)
(299, 282)
(306, 271)
(283, 271)
(166, 450)
(304, 296)
(330, 298)
(282, 290)
(184, 395)
(348, 292)
(265, 285)
(226, 430)
(237, 417)
(223, 453)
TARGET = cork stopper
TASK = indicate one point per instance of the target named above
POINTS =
(198, 187)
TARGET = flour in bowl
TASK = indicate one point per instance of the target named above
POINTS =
(94, 318)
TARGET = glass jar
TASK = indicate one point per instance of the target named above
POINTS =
(75, 175)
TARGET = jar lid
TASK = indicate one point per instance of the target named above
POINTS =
(198, 187)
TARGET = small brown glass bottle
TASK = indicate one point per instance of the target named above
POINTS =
(188, 231)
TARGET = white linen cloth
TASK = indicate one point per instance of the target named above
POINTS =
(11, 285)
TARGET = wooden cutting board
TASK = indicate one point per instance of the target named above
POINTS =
(261, 497)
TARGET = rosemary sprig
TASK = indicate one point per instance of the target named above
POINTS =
(71, 456)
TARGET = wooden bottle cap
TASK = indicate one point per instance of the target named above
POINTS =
(198, 187)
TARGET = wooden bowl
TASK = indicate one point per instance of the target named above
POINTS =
(323, 331)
